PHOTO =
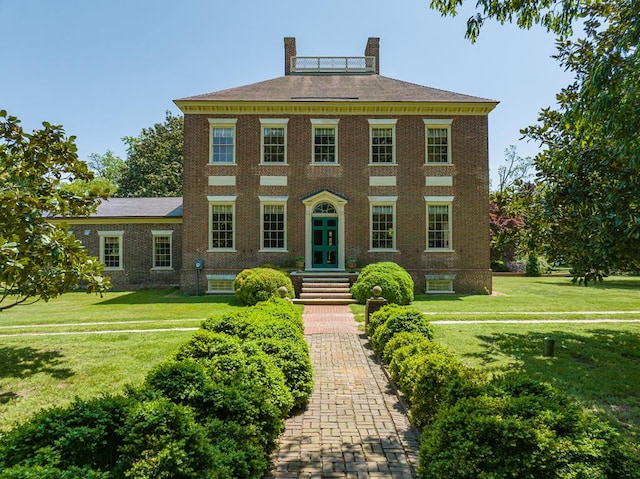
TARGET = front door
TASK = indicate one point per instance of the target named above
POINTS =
(324, 249)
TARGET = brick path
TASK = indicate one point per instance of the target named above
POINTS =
(354, 425)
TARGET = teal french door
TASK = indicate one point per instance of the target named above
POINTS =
(324, 249)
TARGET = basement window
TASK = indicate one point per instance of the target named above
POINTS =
(220, 283)
(439, 283)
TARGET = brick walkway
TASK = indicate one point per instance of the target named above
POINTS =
(354, 425)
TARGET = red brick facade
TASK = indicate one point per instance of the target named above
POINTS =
(469, 260)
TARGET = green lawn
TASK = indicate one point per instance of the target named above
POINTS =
(42, 364)
(540, 298)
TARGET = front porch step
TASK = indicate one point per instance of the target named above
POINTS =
(325, 290)
(324, 301)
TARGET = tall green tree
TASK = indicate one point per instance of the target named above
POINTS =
(154, 160)
(39, 259)
(587, 211)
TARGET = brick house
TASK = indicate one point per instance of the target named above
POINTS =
(334, 161)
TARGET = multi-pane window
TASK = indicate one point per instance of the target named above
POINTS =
(439, 226)
(325, 141)
(273, 225)
(111, 249)
(274, 140)
(222, 226)
(382, 141)
(222, 141)
(162, 249)
(438, 141)
(383, 234)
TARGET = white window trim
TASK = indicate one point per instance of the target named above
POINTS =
(161, 233)
(383, 123)
(383, 201)
(439, 200)
(273, 123)
(437, 123)
(323, 123)
(222, 123)
(119, 235)
(272, 200)
(222, 200)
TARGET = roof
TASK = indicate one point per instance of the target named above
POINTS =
(165, 207)
(348, 88)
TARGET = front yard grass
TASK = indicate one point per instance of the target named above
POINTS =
(43, 363)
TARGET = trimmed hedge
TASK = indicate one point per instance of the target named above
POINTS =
(399, 320)
(214, 410)
(397, 285)
(476, 428)
(521, 428)
(260, 284)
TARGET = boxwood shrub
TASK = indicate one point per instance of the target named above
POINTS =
(397, 285)
(260, 284)
(521, 428)
(403, 319)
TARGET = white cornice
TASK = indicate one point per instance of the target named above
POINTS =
(334, 108)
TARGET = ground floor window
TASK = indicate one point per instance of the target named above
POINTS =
(162, 258)
(111, 249)
(221, 223)
(439, 223)
(274, 223)
(383, 223)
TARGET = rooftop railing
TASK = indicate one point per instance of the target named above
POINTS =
(333, 64)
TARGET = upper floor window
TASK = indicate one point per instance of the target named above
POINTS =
(162, 258)
(438, 141)
(222, 223)
(325, 141)
(382, 136)
(274, 140)
(222, 140)
(111, 249)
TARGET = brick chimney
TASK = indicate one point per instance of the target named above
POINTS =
(372, 50)
(289, 51)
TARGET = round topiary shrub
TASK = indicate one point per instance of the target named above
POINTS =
(396, 283)
(260, 284)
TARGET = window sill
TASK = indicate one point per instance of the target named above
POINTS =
(266, 163)
(383, 164)
(222, 164)
(440, 250)
(113, 269)
(383, 250)
(438, 164)
(163, 268)
(324, 164)
(222, 250)
(272, 250)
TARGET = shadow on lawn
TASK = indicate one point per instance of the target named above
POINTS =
(172, 296)
(600, 367)
(20, 363)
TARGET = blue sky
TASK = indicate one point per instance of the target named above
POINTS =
(105, 70)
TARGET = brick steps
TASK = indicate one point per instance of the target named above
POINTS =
(320, 290)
